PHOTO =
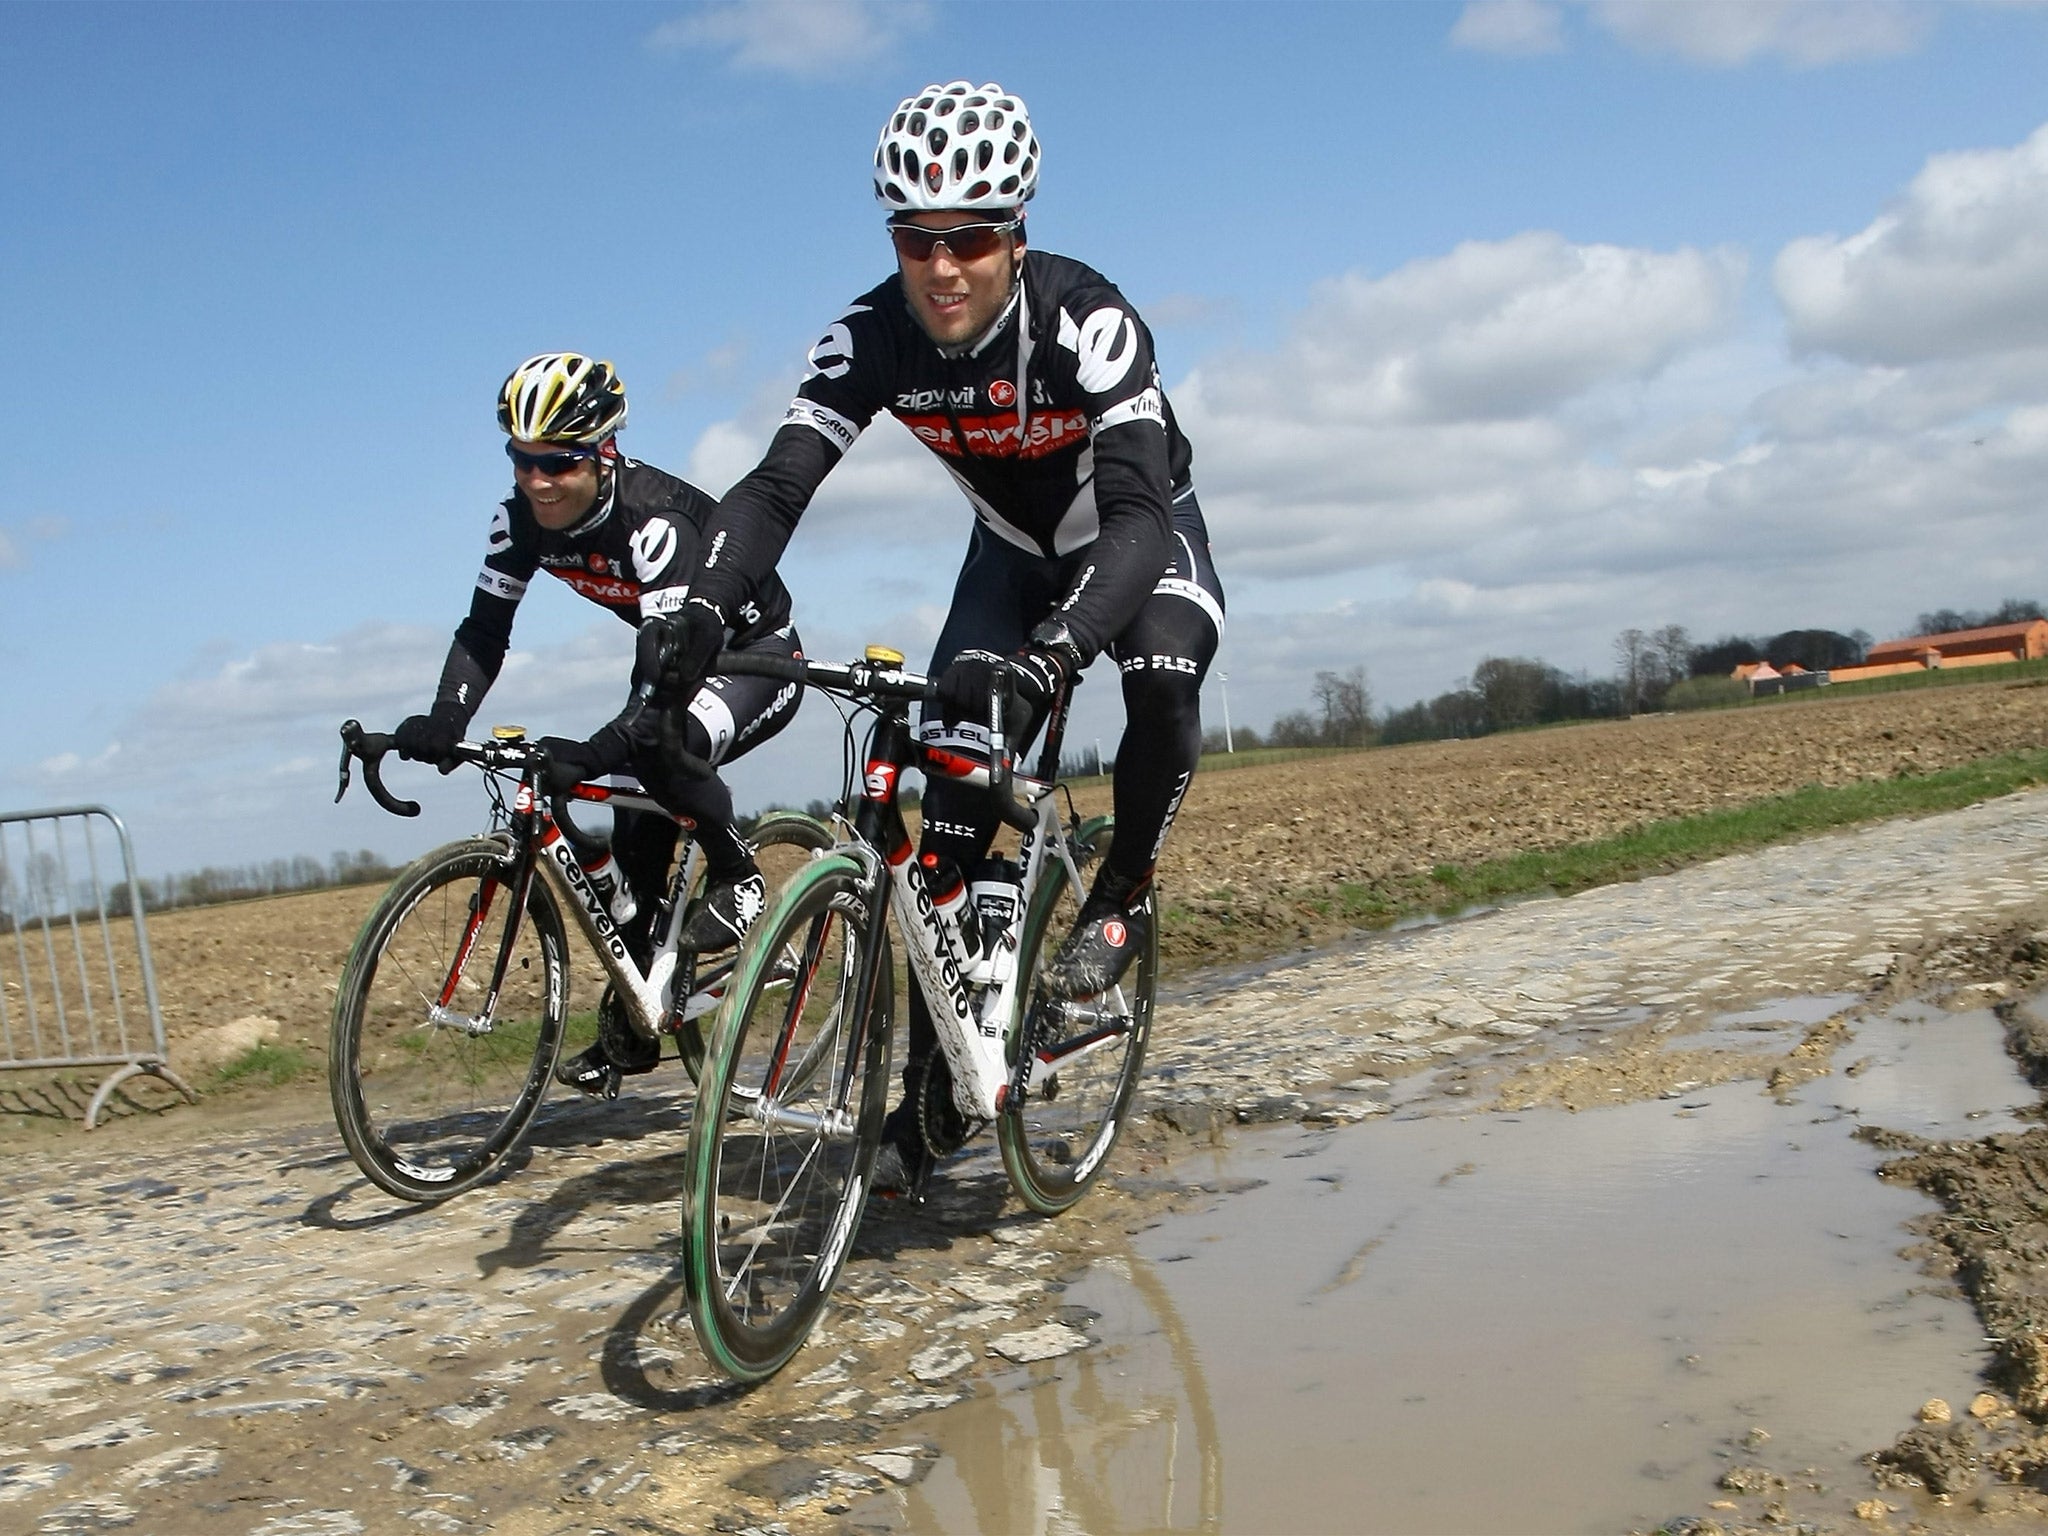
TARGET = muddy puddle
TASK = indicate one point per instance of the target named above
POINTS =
(1523, 1322)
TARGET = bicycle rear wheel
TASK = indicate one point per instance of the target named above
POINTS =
(784, 842)
(787, 1122)
(1090, 1053)
(433, 1082)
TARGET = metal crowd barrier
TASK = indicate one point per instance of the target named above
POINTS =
(77, 988)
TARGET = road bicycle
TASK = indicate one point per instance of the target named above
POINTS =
(796, 1077)
(453, 1006)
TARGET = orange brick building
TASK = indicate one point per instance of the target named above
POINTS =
(1990, 646)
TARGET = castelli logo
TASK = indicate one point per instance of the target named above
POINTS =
(1115, 933)
(1003, 392)
(597, 563)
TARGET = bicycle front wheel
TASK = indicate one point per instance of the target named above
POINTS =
(788, 1119)
(434, 1078)
(1087, 1054)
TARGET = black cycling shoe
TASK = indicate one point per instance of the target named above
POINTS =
(1106, 939)
(901, 1172)
(616, 1053)
(923, 1128)
(725, 914)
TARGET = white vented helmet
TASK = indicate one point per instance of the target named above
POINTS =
(562, 397)
(957, 146)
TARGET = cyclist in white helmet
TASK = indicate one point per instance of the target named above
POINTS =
(624, 535)
(1032, 379)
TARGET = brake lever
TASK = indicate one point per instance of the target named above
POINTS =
(347, 753)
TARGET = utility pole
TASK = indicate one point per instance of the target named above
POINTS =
(1228, 745)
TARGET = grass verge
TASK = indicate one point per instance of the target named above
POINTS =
(264, 1066)
(1668, 845)
(1690, 840)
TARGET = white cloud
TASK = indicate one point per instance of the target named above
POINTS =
(1719, 34)
(1523, 447)
(887, 490)
(291, 697)
(807, 38)
(1515, 27)
(721, 368)
(238, 759)
(14, 543)
(1191, 309)
(1958, 267)
(1443, 401)
(1498, 331)
(1805, 33)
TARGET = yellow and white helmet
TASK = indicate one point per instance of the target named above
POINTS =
(957, 146)
(562, 397)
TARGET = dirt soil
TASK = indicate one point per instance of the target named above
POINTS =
(1252, 857)
(1257, 850)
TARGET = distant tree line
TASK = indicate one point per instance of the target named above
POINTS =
(1342, 718)
(35, 889)
(1654, 670)
(1946, 621)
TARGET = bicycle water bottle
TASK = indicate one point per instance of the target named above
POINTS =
(611, 887)
(997, 893)
(949, 900)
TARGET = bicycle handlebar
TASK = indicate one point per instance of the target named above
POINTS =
(860, 679)
(881, 679)
(889, 680)
(369, 749)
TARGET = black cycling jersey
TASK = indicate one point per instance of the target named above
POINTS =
(634, 555)
(1053, 422)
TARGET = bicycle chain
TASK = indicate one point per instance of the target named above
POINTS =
(922, 1096)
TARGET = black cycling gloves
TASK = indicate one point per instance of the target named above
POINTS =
(571, 763)
(1040, 670)
(431, 738)
(696, 635)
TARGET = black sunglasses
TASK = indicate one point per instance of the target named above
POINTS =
(559, 462)
(967, 242)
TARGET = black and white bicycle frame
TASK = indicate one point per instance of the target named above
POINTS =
(533, 822)
(972, 997)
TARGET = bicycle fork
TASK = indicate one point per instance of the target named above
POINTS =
(443, 1016)
(837, 1121)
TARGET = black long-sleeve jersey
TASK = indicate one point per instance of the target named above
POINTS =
(1053, 423)
(634, 555)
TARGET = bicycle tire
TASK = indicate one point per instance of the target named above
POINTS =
(780, 839)
(427, 1107)
(771, 1204)
(1055, 1140)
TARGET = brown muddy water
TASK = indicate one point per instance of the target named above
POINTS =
(1531, 1322)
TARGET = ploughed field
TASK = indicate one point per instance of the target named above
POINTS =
(1259, 852)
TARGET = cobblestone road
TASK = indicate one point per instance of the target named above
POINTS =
(243, 1337)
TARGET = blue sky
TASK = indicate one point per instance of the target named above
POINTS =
(1497, 327)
